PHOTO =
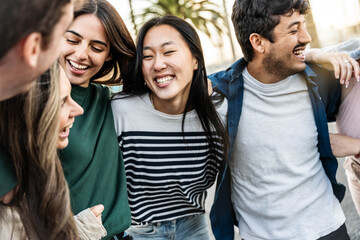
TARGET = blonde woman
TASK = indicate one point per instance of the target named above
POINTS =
(46, 115)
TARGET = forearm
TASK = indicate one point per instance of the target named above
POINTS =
(343, 145)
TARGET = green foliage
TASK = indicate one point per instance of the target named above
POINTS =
(203, 15)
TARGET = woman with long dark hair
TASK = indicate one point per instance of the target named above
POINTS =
(170, 131)
(98, 50)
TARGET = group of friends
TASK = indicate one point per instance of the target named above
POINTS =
(78, 161)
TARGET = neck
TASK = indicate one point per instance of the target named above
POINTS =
(259, 73)
(172, 107)
(14, 79)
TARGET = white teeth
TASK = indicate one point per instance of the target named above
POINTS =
(164, 79)
(66, 128)
(298, 52)
(78, 66)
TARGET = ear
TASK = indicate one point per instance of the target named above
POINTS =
(31, 48)
(108, 58)
(257, 42)
(196, 64)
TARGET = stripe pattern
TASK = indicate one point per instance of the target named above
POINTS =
(168, 173)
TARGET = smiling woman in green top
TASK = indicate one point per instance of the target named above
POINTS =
(98, 45)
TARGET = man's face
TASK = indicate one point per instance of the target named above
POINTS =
(49, 55)
(285, 56)
(45, 58)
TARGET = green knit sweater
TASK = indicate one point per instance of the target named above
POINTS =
(93, 163)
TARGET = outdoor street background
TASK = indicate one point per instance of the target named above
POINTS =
(329, 22)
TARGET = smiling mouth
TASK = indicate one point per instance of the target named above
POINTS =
(299, 53)
(65, 130)
(76, 66)
(164, 80)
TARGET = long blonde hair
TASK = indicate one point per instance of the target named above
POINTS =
(29, 127)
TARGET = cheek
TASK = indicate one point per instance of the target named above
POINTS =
(63, 118)
(146, 70)
(66, 49)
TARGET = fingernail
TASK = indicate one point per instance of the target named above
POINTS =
(358, 78)
(347, 85)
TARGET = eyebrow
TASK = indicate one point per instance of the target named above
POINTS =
(94, 41)
(162, 45)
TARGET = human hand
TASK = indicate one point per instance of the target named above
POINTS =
(9, 196)
(341, 63)
(97, 210)
(210, 88)
(343, 145)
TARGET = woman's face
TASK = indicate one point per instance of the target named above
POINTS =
(69, 109)
(168, 66)
(85, 50)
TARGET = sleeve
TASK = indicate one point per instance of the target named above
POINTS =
(329, 90)
(7, 173)
(116, 111)
(88, 226)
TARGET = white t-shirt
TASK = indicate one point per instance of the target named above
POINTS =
(279, 187)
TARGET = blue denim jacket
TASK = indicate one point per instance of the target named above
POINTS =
(324, 91)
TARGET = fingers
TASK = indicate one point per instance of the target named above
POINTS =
(346, 72)
(97, 210)
(337, 67)
(347, 67)
(356, 69)
(8, 197)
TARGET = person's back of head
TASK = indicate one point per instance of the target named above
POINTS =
(261, 17)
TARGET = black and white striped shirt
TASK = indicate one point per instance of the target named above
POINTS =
(167, 171)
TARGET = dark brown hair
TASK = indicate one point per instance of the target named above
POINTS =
(19, 18)
(199, 97)
(122, 47)
(261, 16)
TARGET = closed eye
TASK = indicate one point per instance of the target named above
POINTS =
(71, 41)
(169, 52)
(147, 56)
(96, 49)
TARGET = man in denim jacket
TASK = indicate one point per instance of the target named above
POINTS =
(279, 179)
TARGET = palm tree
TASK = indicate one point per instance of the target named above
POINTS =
(203, 14)
(226, 21)
(132, 15)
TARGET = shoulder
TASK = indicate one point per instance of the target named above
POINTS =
(221, 80)
(122, 102)
(220, 103)
(102, 90)
(318, 72)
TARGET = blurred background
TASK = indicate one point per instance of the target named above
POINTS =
(329, 22)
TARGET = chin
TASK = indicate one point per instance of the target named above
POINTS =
(61, 144)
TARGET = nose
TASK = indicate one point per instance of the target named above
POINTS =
(81, 52)
(159, 63)
(76, 109)
(304, 36)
